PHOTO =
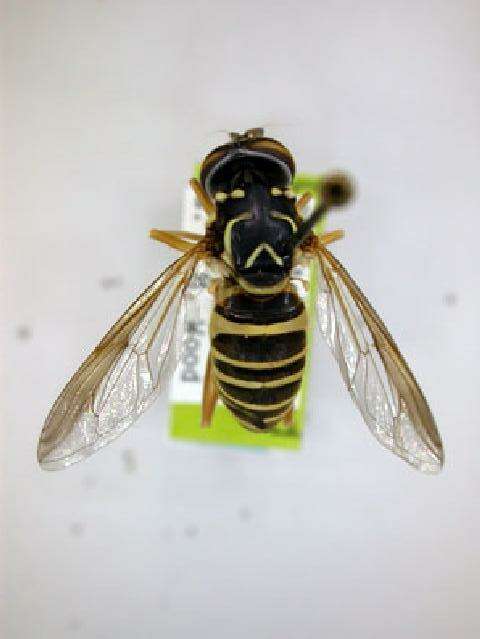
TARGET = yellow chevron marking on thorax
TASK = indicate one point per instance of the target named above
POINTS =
(263, 247)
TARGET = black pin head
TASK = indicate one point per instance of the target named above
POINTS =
(337, 190)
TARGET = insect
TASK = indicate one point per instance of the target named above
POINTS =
(255, 234)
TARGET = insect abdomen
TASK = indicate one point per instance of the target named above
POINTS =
(258, 350)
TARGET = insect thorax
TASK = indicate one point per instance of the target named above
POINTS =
(255, 216)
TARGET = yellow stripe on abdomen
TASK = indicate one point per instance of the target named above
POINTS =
(258, 366)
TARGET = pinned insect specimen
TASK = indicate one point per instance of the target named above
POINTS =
(255, 234)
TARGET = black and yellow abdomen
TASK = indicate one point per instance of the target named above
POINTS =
(258, 353)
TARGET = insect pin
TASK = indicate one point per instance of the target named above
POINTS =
(255, 235)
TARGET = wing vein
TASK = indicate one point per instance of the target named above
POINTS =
(123, 374)
(378, 378)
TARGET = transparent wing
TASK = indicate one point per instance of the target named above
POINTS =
(122, 376)
(375, 373)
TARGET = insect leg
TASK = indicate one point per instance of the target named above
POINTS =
(202, 196)
(332, 236)
(179, 240)
(210, 394)
(288, 417)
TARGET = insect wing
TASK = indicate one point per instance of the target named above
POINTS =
(373, 369)
(122, 376)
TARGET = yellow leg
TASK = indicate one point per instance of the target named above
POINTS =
(179, 240)
(288, 417)
(210, 394)
(202, 196)
(183, 240)
(331, 236)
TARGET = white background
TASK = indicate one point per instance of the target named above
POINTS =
(105, 106)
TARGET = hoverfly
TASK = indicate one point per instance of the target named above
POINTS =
(255, 234)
